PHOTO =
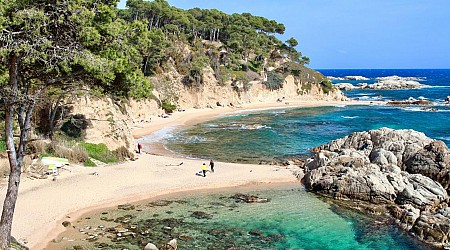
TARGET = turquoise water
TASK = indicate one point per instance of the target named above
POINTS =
(293, 219)
(271, 135)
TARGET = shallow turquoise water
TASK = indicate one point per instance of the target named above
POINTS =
(293, 219)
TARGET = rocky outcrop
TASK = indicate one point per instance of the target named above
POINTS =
(403, 169)
(384, 83)
(345, 86)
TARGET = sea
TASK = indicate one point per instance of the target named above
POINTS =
(294, 218)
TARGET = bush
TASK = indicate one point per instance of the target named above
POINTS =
(99, 152)
(68, 150)
(75, 127)
(241, 81)
(122, 153)
(2, 145)
(326, 85)
(274, 81)
(168, 107)
(89, 163)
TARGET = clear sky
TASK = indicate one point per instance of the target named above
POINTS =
(345, 34)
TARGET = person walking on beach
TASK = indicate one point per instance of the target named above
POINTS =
(204, 169)
(139, 148)
(211, 165)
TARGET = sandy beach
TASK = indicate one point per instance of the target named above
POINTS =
(44, 204)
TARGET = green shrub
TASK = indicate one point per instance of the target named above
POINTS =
(326, 85)
(274, 81)
(168, 107)
(75, 127)
(89, 163)
(99, 152)
(2, 145)
(223, 75)
(243, 78)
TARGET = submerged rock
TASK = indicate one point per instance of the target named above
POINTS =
(403, 169)
(201, 215)
(249, 198)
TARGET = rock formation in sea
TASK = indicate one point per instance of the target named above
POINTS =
(404, 170)
(385, 83)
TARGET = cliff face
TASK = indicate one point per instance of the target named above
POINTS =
(233, 93)
(111, 121)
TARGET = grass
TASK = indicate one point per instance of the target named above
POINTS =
(99, 152)
(89, 163)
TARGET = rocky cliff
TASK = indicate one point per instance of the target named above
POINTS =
(403, 169)
(111, 121)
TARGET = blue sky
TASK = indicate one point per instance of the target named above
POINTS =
(345, 34)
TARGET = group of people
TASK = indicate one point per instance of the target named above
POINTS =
(205, 168)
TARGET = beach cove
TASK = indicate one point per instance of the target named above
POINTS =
(48, 203)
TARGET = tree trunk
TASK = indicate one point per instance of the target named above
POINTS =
(52, 115)
(15, 166)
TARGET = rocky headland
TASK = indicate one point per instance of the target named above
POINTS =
(403, 171)
(383, 83)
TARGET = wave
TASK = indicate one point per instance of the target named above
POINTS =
(365, 94)
(195, 139)
(255, 127)
(443, 138)
(425, 109)
(277, 112)
(159, 135)
(401, 78)
(370, 98)
(354, 78)
(349, 117)
(438, 86)
(210, 125)
(246, 112)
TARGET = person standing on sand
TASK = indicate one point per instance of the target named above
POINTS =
(211, 165)
(204, 169)
(139, 148)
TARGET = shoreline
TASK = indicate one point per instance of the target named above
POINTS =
(49, 203)
(182, 120)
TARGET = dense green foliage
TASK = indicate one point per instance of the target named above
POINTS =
(237, 41)
(64, 46)
(274, 80)
(75, 126)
